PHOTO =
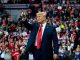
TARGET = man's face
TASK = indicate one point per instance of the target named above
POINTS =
(40, 18)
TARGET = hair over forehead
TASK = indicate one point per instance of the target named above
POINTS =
(41, 13)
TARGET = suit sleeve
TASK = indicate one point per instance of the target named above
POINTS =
(55, 41)
(27, 25)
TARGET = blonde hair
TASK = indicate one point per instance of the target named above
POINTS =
(41, 13)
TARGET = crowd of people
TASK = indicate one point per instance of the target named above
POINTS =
(67, 22)
(39, 1)
(19, 1)
(14, 36)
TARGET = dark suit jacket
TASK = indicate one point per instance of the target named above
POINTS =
(48, 37)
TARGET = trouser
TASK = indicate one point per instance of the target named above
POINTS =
(37, 54)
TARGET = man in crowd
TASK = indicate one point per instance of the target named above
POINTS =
(41, 38)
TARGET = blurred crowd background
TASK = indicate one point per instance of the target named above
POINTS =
(39, 1)
(63, 14)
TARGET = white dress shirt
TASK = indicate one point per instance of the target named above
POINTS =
(43, 27)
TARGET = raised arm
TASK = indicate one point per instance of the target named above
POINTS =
(27, 25)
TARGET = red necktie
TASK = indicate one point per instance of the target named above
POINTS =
(39, 37)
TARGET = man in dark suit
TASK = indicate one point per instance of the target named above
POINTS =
(41, 38)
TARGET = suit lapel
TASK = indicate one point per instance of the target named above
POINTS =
(31, 39)
(36, 30)
(45, 31)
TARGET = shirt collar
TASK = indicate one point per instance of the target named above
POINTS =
(44, 24)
